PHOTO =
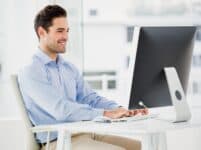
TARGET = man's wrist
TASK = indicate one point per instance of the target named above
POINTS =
(106, 113)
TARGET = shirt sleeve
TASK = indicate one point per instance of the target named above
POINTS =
(86, 95)
(52, 102)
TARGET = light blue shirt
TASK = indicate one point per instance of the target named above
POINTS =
(55, 92)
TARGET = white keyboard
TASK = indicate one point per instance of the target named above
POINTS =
(134, 118)
(103, 119)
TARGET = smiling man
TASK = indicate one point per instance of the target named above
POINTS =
(55, 92)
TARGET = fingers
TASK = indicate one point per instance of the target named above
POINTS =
(129, 113)
(116, 113)
(122, 112)
(138, 111)
(132, 112)
(146, 111)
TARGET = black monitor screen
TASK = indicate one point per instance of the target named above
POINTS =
(160, 47)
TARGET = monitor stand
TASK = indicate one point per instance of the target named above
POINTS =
(182, 110)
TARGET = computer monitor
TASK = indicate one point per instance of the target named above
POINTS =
(157, 48)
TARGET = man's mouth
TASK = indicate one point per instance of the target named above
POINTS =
(62, 42)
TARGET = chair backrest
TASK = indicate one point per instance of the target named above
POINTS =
(31, 143)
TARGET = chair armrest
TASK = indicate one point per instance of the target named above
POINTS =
(45, 128)
(63, 135)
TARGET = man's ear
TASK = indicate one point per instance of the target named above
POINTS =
(41, 32)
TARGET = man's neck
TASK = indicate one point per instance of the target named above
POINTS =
(53, 56)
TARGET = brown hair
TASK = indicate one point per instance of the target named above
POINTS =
(46, 15)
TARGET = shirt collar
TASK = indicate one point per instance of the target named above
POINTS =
(47, 60)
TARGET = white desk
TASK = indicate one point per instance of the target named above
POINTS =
(153, 131)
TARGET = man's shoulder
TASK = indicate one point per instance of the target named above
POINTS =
(33, 69)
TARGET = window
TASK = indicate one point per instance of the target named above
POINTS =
(198, 35)
(101, 80)
(197, 60)
(95, 84)
(111, 84)
(93, 12)
(129, 33)
(195, 88)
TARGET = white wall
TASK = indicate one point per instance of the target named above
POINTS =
(104, 46)
(12, 135)
(110, 10)
(19, 44)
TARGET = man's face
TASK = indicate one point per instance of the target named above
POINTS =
(54, 40)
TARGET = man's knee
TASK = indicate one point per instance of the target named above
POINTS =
(136, 144)
(86, 143)
(127, 143)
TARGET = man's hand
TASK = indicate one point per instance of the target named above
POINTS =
(134, 112)
(116, 113)
(122, 112)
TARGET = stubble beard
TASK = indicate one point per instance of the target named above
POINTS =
(56, 50)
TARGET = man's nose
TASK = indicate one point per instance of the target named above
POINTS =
(65, 35)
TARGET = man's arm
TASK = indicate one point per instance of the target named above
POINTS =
(52, 101)
(86, 95)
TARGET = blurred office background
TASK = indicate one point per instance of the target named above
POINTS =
(100, 43)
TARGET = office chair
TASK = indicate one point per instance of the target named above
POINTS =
(31, 143)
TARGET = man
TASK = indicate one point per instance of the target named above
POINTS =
(54, 91)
